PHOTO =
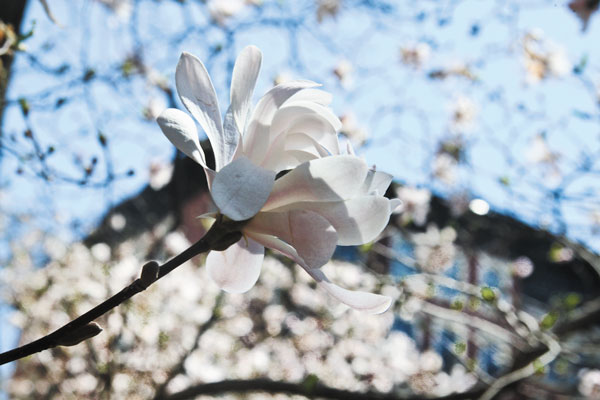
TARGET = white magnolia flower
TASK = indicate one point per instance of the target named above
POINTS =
(325, 200)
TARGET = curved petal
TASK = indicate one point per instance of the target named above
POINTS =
(315, 95)
(256, 137)
(287, 113)
(356, 221)
(349, 148)
(377, 182)
(396, 205)
(236, 269)
(332, 178)
(181, 130)
(198, 95)
(307, 132)
(241, 188)
(304, 142)
(362, 301)
(245, 73)
(311, 235)
(288, 160)
(276, 244)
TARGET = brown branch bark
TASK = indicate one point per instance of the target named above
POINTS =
(316, 390)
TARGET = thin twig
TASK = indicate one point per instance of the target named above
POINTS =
(219, 237)
(528, 370)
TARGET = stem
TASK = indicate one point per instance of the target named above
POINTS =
(220, 236)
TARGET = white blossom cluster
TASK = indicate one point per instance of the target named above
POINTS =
(434, 249)
(283, 329)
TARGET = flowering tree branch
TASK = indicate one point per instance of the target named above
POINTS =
(306, 388)
(221, 235)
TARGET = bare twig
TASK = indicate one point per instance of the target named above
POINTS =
(306, 388)
(528, 370)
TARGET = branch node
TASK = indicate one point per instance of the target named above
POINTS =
(149, 274)
(79, 335)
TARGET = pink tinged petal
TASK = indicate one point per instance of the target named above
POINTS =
(181, 130)
(377, 182)
(256, 138)
(241, 188)
(245, 73)
(356, 221)
(278, 245)
(332, 178)
(236, 269)
(198, 95)
(361, 301)
(311, 235)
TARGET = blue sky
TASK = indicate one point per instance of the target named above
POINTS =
(405, 112)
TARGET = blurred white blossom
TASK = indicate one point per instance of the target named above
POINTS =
(343, 71)
(357, 134)
(589, 384)
(415, 203)
(415, 55)
(434, 249)
(463, 115)
(543, 58)
(445, 168)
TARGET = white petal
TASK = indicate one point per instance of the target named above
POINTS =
(319, 131)
(256, 138)
(236, 269)
(231, 139)
(288, 160)
(300, 141)
(325, 179)
(245, 73)
(356, 221)
(361, 301)
(241, 188)
(181, 130)
(349, 148)
(287, 113)
(396, 205)
(311, 235)
(315, 95)
(279, 245)
(304, 132)
(377, 182)
(198, 95)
